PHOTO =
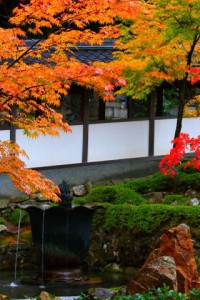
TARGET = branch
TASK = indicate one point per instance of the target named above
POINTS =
(24, 53)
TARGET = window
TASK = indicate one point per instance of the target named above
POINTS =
(71, 105)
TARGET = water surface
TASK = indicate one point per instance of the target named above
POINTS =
(63, 287)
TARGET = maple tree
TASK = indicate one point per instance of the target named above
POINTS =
(160, 47)
(32, 82)
(182, 144)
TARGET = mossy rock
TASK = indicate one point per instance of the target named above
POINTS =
(112, 194)
(146, 218)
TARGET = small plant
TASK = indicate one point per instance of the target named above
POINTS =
(84, 296)
(195, 294)
(2, 220)
(163, 293)
(17, 214)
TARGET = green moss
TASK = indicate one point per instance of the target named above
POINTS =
(115, 194)
(2, 220)
(17, 214)
(159, 182)
(146, 218)
(180, 199)
(140, 185)
(191, 180)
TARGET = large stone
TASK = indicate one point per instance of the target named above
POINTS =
(4, 203)
(79, 190)
(176, 243)
(3, 228)
(161, 270)
(100, 293)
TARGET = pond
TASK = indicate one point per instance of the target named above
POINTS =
(60, 287)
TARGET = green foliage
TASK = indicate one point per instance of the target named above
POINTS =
(180, 199)
(115, 194)
(146, 218)
(170, 100)
(187, 170)
(159, 182)
(2, 220)
(140, 185)
(195, 294)
(163, 293)
(15, 217)
(84, 296)
(188, 180)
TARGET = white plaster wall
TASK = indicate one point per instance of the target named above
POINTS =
(191, 126)
(164, 134)
(121, 140)
(4, 135)
(51, 151)
(165, 129)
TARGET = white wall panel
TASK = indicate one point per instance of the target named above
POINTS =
(4, 135)
(50, 151)
(191, 126)
(165, 129)
(121, 140)
(164, 134)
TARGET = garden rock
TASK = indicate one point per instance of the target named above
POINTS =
(3, 228)
(193, 201)
(176, 243)
(79, 190)
(101, 293)
(4, 203)
(154, 198)
(154, 275)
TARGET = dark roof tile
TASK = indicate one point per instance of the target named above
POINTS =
(85, 53)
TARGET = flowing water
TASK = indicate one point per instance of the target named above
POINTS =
(14, 284)
(42, 251)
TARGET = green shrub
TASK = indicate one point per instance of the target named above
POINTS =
(160, 182)
(146, 218)
(163, 293)
(180, 199)
(15, 217)
(185, 181)
(2, 220)
(188, 170)
(115, 194)
(140, 185)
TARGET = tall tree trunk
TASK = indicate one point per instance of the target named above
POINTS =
(179, 117)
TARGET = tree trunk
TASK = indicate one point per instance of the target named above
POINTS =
(179, 118)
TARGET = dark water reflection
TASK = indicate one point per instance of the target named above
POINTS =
(57, 288)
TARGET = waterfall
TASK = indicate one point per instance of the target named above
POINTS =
(42, 247)
(14, 284)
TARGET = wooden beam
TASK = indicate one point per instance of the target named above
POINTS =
(12, 126)
(85, 98)
(151, 112)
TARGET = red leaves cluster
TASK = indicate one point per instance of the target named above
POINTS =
(182, 145)
(195, 75)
